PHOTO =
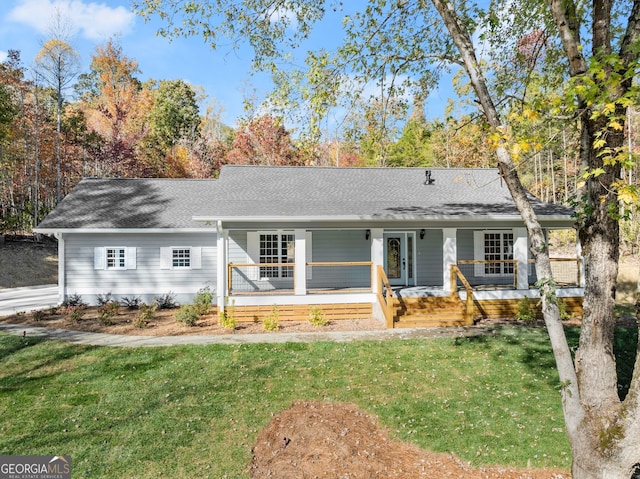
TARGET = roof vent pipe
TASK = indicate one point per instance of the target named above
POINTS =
(428, 180)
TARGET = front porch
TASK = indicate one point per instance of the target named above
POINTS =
(344, 294)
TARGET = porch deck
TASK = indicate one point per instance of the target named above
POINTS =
(401, 306)
(427, 306)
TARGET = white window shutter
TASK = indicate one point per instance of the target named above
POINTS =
(130, 260)
(99, 258)
(308, 252)
(196, 257)
(253, 254)
(165, 258)
(478, 252)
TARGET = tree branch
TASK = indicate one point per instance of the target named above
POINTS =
(566, 19)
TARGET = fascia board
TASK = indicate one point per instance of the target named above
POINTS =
(348, 218)
(50, 231)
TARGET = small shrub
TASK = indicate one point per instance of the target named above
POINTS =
(131, 303)
(272, 322)
(526, 310)
(203, 300)
(146, 314)
(103, 299)
(38, 315)
(139, 323)
(52, 311)
(227, 320)
(166, 301)
(108, 311)
(73, 300)
(316, 317)
(75, 313)
(562, 307)
(188, 314)
(228, 316)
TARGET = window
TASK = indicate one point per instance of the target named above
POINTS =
(498, 248)
(116, 258)
(181, 258)
(277, 248)
(272, 247)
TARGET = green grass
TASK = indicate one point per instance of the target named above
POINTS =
(195, 411)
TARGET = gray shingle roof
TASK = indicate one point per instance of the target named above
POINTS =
(267, 192)
(130, 204)
(255, 193)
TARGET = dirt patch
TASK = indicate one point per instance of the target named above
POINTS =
(165, 324)
(26, 262)
(336, 440)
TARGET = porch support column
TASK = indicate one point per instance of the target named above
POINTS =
(300, 269)
(221, 266)
(449, 256)
(521, 255)
(377, 253)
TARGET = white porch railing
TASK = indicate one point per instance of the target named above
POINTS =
(279, 278)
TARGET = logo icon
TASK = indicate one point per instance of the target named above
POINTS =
(35, 467)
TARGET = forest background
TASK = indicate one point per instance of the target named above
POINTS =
(59, 124)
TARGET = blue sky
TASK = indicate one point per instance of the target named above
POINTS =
(224, 75)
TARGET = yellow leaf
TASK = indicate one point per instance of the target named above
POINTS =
(599, 143)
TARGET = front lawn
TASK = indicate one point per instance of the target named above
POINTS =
(195, 411)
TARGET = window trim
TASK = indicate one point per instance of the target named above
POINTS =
(101, 259)
(279, 258)
(195, 257)
(480, 252)
(253, 253)
(189, 257)
(120, 257)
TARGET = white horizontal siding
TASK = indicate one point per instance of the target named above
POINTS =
(429, 258)
(147, 279)
(341, 245)
(238, 247)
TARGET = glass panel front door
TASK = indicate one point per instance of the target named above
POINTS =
(394, 258)
(398, 258)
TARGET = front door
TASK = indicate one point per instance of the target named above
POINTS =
(398, 258)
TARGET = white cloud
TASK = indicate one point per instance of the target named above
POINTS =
(93, 21)
(3, 56)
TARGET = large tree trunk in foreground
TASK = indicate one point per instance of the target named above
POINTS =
(604, 432)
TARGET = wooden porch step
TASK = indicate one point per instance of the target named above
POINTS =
(428, 312)
(427, 305)
(428, 323)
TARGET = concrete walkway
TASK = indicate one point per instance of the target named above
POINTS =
(102, 339)
(15, 300)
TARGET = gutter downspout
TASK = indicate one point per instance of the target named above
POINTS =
(62, 284)
(221, 266)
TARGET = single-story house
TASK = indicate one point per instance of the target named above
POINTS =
(406, 245)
